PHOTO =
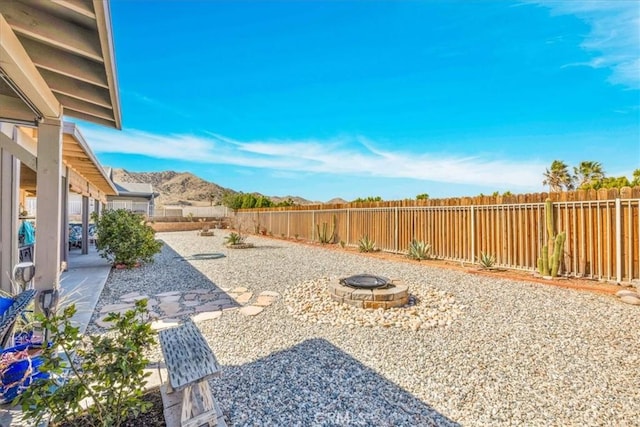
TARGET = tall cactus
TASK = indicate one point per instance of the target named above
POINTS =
(551, 253)
(324, 236)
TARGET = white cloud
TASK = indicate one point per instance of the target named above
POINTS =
(355, 156)
(614, 37)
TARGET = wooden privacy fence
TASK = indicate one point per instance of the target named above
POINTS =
(603, 236)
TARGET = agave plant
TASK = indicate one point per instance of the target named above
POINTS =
(366, 244)
(419, 250)
(486, 260)
(234, 239)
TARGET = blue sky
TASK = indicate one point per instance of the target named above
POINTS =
(327, 99)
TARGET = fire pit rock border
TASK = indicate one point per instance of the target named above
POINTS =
(393, 296)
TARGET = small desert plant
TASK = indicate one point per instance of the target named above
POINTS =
(419, 250)
(342, 244)
(295, 236)
(108, 369)
(366, 244)
(486, 260)
(234, 239)
(324, 234)
(125, 238)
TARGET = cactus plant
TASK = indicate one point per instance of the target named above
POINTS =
(551, 253)
(324, 236)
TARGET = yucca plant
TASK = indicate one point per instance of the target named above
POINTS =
(366, 244)
(234, 239)
(486, 260)
(419, 250)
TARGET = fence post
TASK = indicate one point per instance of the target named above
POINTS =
(348, 222)
(395, 237)
(473, 235)
(618, 241)
(313, 224)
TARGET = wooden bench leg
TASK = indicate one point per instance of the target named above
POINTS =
(199, 406)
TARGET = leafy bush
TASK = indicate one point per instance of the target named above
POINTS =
(366, 244)
(108, 369)
(234, 239)
(124, 238)
(486, 260)
(419, 250)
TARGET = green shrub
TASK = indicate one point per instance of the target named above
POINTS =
(419, 250)
(366, 244)
(124, 238)
(486, 260)
(234, 239)
(108, 369)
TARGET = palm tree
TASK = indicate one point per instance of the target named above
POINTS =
(558, 176)
(588, 173)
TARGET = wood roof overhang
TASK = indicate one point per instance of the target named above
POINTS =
(70, 53)
(86, 175)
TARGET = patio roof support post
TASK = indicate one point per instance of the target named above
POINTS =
(64, 224)
(85, 225)
(9, 221)
(48, 189)
(96, 207)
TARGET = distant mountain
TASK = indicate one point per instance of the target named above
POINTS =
(176, 187)
(296, 199)
(186, 189)
(337, 201)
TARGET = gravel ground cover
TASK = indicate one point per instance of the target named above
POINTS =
(510, 352)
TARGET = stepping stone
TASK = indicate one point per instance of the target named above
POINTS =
(229, 307)
(164, 324)
(207, 307)
(239, 290)
(102, 323)
(626, 292)
(223, 301)
(633, 300)
(244, 298)
(264, 301)
(168, 294)
(134, 298)
(191, 303)
(170, 308)
(115, 308)
(251, 310)
(152, 302)
(270, 294)
(170, 298)
(129, 295)
(206, 315)
(184, 312)
(201, 291)
(190, 297)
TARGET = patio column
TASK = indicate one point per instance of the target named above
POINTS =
(9, 189)
(85, 225)
(64, 225)
(48, 191)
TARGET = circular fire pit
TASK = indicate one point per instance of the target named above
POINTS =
(368, 291)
